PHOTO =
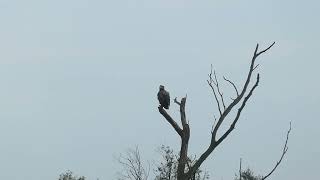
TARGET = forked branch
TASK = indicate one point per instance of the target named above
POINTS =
(184, 133)
(242, 97)
(223, 114)
(213, 85)
(239, 112)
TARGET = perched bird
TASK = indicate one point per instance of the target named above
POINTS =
(163, 97)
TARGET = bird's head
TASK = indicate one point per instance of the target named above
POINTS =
(161, 87)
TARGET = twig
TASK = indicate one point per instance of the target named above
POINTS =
(214, 123)
(210, 81)
(177, 102)
(239, 111)
(218, 88)
(263, 51)
(255, 67)
(234, 86)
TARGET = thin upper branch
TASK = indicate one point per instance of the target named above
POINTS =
(170, 120)
(263, 51)
(284, 151)
(214, 143)
(234, 86)
(239, 112)
(255, 67)
(244, 89)
(214, 123)
(210, 82)
(218, 88)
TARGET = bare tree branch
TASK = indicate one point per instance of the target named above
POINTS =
(214, 123)
(210, 82)
(214, 143)
(255, 67)
(218, 88)
(177, 102)
(184, 141)
(284, 151)
(237, 100)
(239, 112)
(183, 112)
(184, 132)
(133, 167)
(263, 51)
(234, 86)
(170, 120)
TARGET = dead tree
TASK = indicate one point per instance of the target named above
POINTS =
(183, 131)
(133, 168)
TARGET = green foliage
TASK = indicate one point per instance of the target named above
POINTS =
(248, 175)
(133, 167)
(167, 168)
(68, 175)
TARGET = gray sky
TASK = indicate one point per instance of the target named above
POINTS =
(79, 82)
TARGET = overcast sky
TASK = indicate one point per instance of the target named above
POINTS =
(79, 80)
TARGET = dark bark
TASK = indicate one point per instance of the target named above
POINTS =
(242, 97)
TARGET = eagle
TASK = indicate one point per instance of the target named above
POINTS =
(163, 97)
